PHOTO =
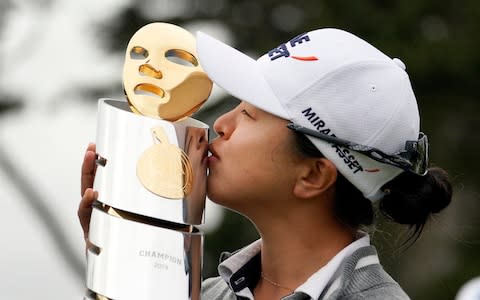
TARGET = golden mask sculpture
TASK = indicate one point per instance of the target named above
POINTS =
(162, 76)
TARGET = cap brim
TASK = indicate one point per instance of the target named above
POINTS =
(238, 74)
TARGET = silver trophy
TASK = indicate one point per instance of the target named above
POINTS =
(151, 174)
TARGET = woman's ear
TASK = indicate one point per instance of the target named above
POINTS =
(317, 176)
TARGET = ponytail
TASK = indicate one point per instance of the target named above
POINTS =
(411, 199)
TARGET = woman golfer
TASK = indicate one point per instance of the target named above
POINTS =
(328, 129)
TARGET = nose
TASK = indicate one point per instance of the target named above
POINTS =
(223, 126)
(148, 70)
(197, 136)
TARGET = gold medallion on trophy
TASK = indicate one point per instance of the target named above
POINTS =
(164, 169)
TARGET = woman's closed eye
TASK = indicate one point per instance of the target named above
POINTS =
(245, 112)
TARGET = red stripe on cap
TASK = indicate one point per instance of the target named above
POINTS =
(307, 58)
(372, 170)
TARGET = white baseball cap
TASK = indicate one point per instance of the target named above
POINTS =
(332, 82)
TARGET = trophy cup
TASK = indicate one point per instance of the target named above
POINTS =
(151, 174)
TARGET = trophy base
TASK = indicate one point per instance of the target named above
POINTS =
(137, 259)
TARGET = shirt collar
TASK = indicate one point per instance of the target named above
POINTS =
(317, 282)
(242, 269)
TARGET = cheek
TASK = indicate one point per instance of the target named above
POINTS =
(248, 177)
(252, 166)
(235, 180)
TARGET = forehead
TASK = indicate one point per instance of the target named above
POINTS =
(162, 36)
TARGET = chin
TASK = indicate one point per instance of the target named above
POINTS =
(212, 193)
(220, 197)
(216, 196)
(222, 193)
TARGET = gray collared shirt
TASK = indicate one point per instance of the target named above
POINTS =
(314, 285)
(359, 276)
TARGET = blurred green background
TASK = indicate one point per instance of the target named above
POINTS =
(437, 40)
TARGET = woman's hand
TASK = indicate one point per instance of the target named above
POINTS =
(88, 194)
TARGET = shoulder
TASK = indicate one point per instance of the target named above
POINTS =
(362, 277)
(216, 288)
(373, 282)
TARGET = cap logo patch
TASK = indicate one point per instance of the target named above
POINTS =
(347, 157)
(282, 50)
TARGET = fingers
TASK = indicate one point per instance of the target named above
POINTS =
(85, 209)
(88, 168)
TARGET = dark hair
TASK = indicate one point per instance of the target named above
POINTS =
(410, 199)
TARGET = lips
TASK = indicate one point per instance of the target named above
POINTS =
(148, 89)
(205, 155)
(213, 156)
(212, 150)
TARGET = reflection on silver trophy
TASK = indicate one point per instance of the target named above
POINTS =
(151, 174)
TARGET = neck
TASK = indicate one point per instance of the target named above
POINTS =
(296, 245)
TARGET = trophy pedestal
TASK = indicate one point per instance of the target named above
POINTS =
(133, 260)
